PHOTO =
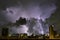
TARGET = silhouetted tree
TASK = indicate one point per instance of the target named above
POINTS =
(21, 21)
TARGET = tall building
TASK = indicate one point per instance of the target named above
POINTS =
(51, 32)
(5, 32)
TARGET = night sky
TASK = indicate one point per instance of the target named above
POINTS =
(11, 10)
(55, 17)
(31, 8)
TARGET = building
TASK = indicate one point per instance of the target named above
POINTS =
(51, 32)
(5, 32)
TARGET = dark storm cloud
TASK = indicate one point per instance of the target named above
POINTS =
(54, 18)
(34, 8)
(5, 3)
(13, 9)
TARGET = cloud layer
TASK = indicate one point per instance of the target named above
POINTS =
(39, 9)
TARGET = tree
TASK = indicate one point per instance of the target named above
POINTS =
(21, 21)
